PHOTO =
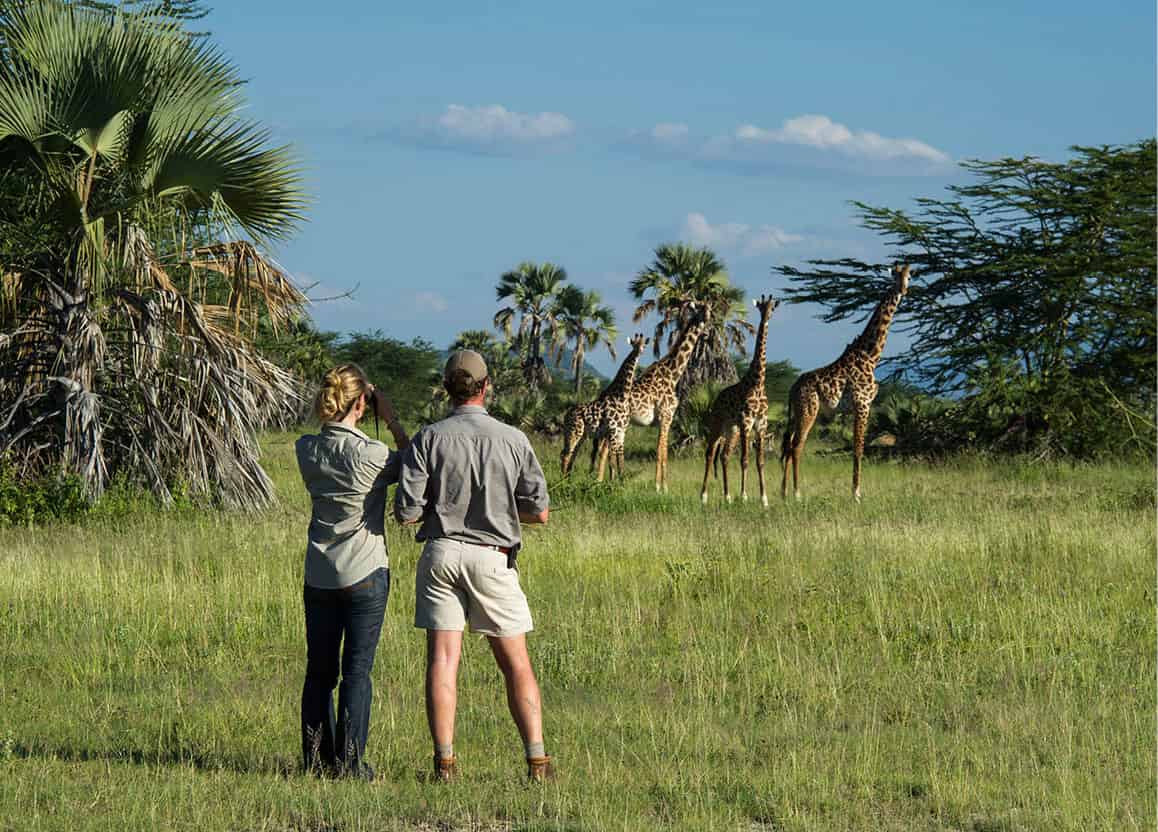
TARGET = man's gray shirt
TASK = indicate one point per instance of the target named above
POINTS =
(346, 473)
(468, 477)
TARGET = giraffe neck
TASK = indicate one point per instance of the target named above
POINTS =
(626, 375)
(754, 378)
(677, 360)
(872, 340)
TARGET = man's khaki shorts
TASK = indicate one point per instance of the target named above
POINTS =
(457, 583)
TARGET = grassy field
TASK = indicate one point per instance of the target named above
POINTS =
(972, 648)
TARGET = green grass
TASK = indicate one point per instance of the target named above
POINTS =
(972, 648)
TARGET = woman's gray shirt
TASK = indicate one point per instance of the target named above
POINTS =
(346, 473)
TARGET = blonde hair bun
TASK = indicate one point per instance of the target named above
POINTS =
(341, 387)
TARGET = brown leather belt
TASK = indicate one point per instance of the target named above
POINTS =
(362, 584)
(503, 550)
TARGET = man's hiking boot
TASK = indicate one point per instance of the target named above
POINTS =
(539, 769)
(445, 769)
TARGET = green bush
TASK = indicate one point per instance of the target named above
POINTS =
(26, 502)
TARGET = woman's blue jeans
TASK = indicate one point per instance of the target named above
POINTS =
(354, 614)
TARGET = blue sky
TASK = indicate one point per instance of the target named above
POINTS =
(445, 143)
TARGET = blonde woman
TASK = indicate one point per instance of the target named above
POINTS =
(347, 574)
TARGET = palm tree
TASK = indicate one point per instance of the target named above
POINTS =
(678, 277)
(531, 289)
(585, 323)
(128, 312)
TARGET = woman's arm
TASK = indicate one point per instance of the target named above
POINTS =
(386, 412)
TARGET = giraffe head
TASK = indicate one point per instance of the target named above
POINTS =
(765, 304)
(901, 277)
(701, 313)
(637, 342)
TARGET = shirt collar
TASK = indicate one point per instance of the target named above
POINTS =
(463, 409)
(338, 427)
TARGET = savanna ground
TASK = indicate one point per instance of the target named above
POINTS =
(972, 648)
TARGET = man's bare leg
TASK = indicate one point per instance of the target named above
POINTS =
(443, 649)
(522, 688)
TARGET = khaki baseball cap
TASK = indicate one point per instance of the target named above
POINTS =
(468, 361)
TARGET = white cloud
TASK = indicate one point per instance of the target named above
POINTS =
(491, 129)
(823, 133)
(668, 131)
(497, 123)
(803, 142)
(745, 239)
(431, 302)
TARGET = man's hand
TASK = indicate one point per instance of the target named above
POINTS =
(539, 519)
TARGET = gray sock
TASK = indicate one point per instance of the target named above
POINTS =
(444, 752)
(535, 749)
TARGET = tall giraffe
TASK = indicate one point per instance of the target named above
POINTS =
(653, 397)
(608, 436)
(742, 409)
(591, 416)
(849, 379)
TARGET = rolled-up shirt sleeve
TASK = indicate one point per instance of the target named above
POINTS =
(376, 466)
(531, 489)
(410, 496)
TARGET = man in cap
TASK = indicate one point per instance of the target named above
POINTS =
(471, 480)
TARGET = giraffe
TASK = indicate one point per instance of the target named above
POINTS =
(742, 410)
(653, 397)
(849, 379)
(590, 416)
(607, 439)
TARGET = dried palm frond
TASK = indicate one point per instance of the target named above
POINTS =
(131, 142)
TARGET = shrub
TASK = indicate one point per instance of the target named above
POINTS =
(25, 502)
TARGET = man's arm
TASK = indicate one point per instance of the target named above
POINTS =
(539, 519)
(531, 491)
(410, 496)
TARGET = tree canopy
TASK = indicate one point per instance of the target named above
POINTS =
(1033, 296)
(132, 199)
(679, 276)
(584, 322)
(531, 290)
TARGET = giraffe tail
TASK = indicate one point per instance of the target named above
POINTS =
(789, 437)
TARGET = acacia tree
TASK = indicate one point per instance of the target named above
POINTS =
(678, 277)
(532, 289)
(1034, 295)
(584, 322)
(125, 326)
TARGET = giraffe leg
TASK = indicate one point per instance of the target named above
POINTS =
(572, 436)
(710, 450)
(725, 457)
(661, 454)
(743, 463)
(807, 419)
(615, 440)
(604, 448)
(859, 427)
(786, 459)
(760, 467)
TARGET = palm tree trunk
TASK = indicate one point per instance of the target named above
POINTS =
(578, 367)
